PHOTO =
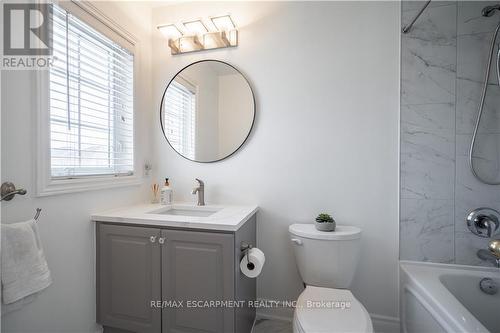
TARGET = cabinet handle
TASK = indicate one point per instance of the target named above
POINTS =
(152, 239)
(161, 240)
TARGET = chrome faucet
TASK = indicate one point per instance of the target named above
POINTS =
(494, 247)
(492, 254)
(201, 192)
(484, 222)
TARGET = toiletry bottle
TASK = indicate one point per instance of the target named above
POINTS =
(166, 194)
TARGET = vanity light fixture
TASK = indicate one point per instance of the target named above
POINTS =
(215, 40)
(198, 37)
(196, 27)
(172, 33)
(225, 24)
(189, 44)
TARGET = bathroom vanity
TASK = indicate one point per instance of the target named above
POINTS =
(158, 268)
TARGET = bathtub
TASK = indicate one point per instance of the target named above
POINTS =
(446, 298)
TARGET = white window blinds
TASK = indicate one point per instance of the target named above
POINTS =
(180, 117)
(91, 102)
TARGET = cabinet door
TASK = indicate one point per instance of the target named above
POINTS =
(128, 278)
(197, 266)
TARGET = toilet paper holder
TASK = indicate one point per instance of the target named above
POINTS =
(245, 248)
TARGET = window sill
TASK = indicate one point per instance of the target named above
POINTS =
(63, 186)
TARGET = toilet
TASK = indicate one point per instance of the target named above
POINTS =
(327, 262)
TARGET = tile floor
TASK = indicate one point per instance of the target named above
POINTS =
(272, 326)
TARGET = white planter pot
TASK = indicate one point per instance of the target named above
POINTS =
(325, 226)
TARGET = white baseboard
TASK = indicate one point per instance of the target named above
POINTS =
(381, 323)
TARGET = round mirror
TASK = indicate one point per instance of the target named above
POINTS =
(207, 111)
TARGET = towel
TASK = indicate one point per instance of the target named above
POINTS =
(24, 268)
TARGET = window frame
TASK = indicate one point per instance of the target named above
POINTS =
(45, 183)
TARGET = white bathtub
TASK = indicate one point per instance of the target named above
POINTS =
(446, 298)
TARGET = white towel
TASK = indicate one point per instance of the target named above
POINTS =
(24, 268)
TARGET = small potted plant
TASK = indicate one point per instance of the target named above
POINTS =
(324, 222)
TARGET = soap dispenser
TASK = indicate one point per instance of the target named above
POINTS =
(166, 193)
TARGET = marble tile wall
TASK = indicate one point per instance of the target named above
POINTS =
(442, 70)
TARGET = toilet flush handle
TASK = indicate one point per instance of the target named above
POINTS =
(296, 241)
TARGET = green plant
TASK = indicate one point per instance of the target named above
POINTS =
(324, 218)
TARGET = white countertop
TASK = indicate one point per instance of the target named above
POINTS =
(227, 217)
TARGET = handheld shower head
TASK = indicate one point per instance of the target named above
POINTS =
(488, 11)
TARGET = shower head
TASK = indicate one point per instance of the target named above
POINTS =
(490, 10)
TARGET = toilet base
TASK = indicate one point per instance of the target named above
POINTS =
(330, 310)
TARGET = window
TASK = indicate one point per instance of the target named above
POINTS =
(180, 116)
(90, 102)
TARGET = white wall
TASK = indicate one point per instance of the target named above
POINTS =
(326, 80)
(68, 305)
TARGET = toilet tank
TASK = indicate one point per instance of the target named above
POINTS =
(326, 259)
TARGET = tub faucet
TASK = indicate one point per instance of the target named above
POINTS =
(492, 254)
(494, 247)
(200, 189)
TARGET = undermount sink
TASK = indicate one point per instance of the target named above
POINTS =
(185, 211)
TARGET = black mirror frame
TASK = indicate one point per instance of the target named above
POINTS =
(253, 119)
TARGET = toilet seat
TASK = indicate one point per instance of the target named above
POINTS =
(322, 310)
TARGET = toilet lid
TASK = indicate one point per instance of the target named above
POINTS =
(331, 310)
(342, 232)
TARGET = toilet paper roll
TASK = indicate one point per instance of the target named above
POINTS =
(251, 264)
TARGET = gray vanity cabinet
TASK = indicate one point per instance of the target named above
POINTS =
(197, 266)
(137, 265)
(128, 278)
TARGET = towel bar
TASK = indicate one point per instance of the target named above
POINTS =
(37, 214)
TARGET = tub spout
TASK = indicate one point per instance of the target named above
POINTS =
(494, 248)
(486, 255)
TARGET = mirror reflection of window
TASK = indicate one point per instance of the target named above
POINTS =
(180, 116)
